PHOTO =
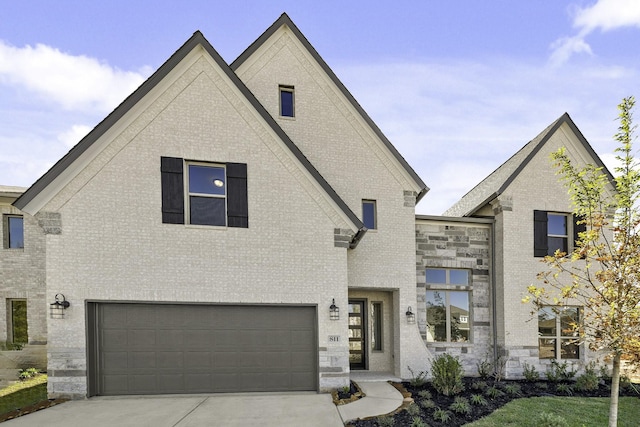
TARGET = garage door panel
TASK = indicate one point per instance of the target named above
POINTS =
(141, 338)
(204, 348)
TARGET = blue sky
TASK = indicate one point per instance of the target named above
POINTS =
(458, 87)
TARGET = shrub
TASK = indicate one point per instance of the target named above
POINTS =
(385, 421)
(560, 371)
(427, 404)
(513, 389)
(25, 374)
(413, 409)
(441, 415)
(447, 375)
(545, 419)
(484, 368)
(479, 385)
(460, 405)
(589, 380)
(499, 365)
(417, 380)
(425, 394)
(529, 372)
(417, 422)
(542, 386)
(478, 400)
(564, 388)
(493, 392)
(605, 375)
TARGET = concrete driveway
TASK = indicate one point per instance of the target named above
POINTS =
(272, 409)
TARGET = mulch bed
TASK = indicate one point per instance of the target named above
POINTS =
(402, 417)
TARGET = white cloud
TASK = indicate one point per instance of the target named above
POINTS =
(73, 135)
(73, 82)
(608, 15)
(605, 15)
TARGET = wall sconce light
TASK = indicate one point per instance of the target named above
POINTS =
(411, 317)
(57, 308)
(334, 311)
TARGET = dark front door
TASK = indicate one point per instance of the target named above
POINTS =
(357, 339)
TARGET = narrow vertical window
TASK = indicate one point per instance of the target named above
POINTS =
(369, 214)
(14, 232)
(286, 101)
(557, 233)
(18, 321)
(376, 326)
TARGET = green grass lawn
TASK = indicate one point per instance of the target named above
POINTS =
(577, 411)
(23, 393)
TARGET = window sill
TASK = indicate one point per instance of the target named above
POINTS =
(207, 227)
(287, 118)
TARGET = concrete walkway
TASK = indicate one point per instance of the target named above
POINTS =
(380, 398)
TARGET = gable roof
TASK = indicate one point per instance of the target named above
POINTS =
(498, 181)
(197, 39)
(285, 20)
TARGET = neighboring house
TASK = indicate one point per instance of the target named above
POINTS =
(247, 227)
(23, 320)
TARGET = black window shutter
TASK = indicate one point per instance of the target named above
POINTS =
(540, 246)
(578, 228)
(237, 202)
(172, 190)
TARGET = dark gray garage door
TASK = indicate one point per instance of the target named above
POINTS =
(162, 348)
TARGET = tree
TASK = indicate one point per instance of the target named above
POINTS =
(602, 274)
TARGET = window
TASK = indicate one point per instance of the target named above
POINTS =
(18, 329)
(448, 301)
(369, 214)
(13, 231)
(552, 232)
(286, 101)
(216, 193)
(207, 195)
(558, 332)
(376, 326)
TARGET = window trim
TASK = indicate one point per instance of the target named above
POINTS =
(558, 337)
(6, 219)
(375, 213)
(288, 89)
(189, 194)
(446, 288)
(377, 327)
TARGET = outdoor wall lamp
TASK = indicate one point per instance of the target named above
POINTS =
(334, 311)
(57, 308)
(411, 317)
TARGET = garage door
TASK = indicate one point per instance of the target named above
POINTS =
(166, 348)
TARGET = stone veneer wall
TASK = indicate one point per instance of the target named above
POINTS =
(443, 242)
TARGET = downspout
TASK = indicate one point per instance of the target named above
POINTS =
(494, 315)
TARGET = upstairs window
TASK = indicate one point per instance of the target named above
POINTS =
(216, 194)
(207, 195)
(287, 101)
(13, 231)
(369, 214)
(554, 231)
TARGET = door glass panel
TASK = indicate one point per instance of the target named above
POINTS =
(355, 333)
(354, 308)
(355, 321)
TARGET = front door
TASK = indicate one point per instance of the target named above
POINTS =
(357, 332)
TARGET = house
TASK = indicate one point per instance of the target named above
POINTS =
(248, 227)
(210, 228)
